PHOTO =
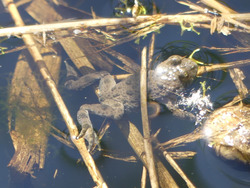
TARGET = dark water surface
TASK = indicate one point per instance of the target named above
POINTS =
(205, 170)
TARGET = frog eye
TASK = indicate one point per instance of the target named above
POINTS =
(175, 60)
(185, 74)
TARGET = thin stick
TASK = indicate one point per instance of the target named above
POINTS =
(166, 19)
(146, 129)
(151, 50)
(178, 169)
(135, 139)
(222, 66)
(144, 177)
(236, 74)
(218, 6)
(38, 59)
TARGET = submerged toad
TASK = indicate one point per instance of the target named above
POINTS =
(169, 78)
(227, 130)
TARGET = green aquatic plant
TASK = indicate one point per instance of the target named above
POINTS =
(185, 28)
(196, 61)
(2, 50)
(128, 7)
(204, 88)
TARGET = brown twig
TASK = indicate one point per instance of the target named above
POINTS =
(135, 140)
(236, 74)
(143, 177)
(145, 123)
(187, 138)
(151, 50)
(147, 20)
(191, 137)
(38, 59)
(218, 6)
(222, 66)
(177, 168)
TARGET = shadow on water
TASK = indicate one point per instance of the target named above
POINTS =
(21, 180)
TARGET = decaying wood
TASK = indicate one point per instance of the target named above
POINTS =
(76, 54)
(29, 110)
(29, 115)
(38, 59)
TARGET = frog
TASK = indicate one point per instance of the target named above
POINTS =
(165, 81)
(227, 131)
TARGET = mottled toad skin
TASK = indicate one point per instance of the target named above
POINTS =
(169, 78)
(227, 130)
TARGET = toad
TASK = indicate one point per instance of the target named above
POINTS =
(227, 130)
(165, 81)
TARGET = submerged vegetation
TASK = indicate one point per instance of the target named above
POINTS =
(89, 44)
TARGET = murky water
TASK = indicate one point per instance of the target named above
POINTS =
(204, 170)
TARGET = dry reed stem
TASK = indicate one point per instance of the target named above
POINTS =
(178, 169)
(80, 144)
(151, 50)
(160, 18)
(144, 177)
(146, 128)
(222, 66)
(235, 100)
(121, 76)
(135, 140)
(226, 15)
(191, 137)
(187, 138)
(218, 6)
(236, 74)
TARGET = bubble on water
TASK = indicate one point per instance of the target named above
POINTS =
(197, 104)
(77, 31)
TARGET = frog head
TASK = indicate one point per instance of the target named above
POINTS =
(176, 70)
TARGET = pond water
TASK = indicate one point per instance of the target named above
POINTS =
(205, 170)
